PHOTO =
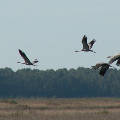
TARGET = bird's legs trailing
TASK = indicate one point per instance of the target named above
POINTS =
(92, 51)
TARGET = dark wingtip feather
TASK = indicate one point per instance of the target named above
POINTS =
(102, 73)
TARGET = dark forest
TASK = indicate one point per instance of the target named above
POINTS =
(61, 83)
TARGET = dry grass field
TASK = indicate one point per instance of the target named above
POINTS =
(60, 109)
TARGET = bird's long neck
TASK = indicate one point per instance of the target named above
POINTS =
(21, 62)
(78, 50)
(109, 56)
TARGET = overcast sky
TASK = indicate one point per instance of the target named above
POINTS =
(51, 30)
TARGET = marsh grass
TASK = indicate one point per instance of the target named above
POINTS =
(10, 101)
(60, 109)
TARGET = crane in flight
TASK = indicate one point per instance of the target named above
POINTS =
(114, 58)
(103, 67)
(87, 46)
(26, 60)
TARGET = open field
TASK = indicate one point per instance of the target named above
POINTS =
(60, 109)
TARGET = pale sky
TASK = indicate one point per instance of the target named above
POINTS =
(51, 30)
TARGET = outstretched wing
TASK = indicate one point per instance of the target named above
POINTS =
(114, 58)
(103, 69)
(90, 44)
(118, 62)
(24, 56)
(97, 66)
(84, 42)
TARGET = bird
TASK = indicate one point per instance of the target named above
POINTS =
(87, 46)
(27, 61)
(103, 67)
(114, 58)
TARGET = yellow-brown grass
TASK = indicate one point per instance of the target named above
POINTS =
(60, 109)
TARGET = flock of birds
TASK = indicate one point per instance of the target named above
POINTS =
(102, 67)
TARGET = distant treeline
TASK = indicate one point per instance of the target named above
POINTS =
(81, 82)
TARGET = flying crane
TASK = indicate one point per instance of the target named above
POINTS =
(103, 67)
(87, 46)
(26, 60)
